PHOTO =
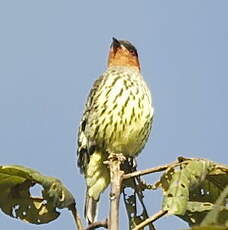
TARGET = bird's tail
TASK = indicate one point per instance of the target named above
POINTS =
(97, 180)
(90, 210)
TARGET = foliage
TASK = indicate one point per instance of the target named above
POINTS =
(200, 183)
(195, 190)
(16, 199)
(190, 187)
(192, 190)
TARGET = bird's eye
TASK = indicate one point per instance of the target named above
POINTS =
(132, 52)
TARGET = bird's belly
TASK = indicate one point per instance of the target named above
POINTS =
(127, 141)
(125, 133)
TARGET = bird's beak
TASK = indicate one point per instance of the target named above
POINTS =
(115, 44)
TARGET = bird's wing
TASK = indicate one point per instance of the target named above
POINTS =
(83, 150)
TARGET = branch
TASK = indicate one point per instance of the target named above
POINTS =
(150, 170)
(98, 224)
(77, 218)
(150, 219)
(116, 176)
(140, 197)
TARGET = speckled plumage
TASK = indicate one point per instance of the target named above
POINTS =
(117, 119)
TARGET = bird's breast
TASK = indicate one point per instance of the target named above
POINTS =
(120, 117)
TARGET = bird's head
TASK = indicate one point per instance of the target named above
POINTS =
(123, 53)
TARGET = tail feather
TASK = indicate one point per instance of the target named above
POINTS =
(97, 180)
(90, 211)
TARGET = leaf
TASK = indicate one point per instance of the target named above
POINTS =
(207, 193)
(219, 214)
(191, 191)
(177, 184)
(17, 201)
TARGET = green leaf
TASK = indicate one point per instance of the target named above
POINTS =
(219, 214)
(17, 201)
(177, 184)
(207, 193)
(191, 191)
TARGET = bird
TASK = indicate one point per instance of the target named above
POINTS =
(117, 118)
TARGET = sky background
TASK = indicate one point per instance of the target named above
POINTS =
(52, 51)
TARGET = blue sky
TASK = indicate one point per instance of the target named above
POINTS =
(52, 51)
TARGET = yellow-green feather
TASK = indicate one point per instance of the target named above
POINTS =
(97, 175)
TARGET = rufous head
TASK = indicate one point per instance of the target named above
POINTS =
(123, 53)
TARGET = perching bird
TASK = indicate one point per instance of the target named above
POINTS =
(117, 119)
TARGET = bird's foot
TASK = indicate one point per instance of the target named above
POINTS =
(116, 157)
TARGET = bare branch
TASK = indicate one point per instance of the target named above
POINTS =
(77, 218)
(150, 219)
(150, 170)
(98, 224)
(116, 175)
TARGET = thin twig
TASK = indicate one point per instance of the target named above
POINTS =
(116, 176)
(131, 204)
(150, 170)
(140, 197)
(98, 224)
(77, 218)
(150, 219)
